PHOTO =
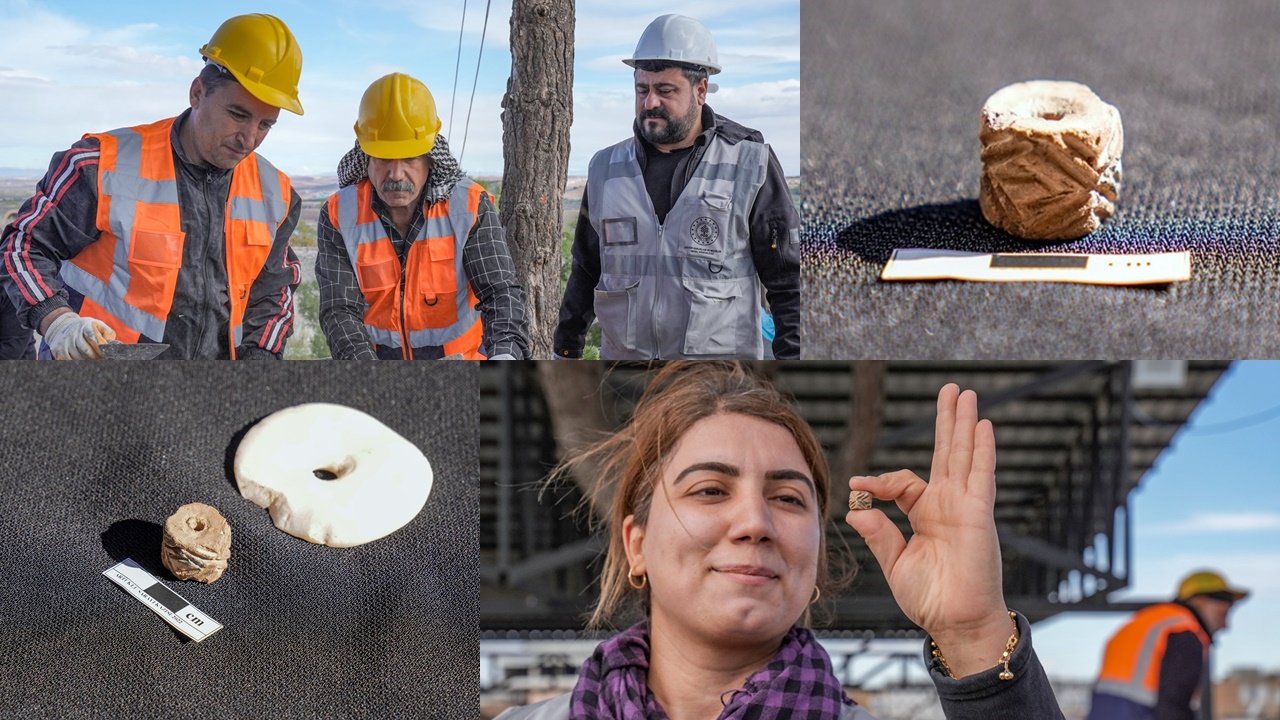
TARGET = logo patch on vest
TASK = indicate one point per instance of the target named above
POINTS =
(705, 234)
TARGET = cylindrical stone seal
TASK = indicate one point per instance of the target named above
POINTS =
(1050, 160)
(859, 500)
(197, 543)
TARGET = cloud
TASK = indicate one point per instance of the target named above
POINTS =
(1159, 576)
(62, 76)
(771, 107)
(759, 46)
(437, 17)
(603, 23)
(1236, 522)
(735, 60)
(603, 116)
(17, 77)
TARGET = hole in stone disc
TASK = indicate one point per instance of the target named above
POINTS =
(195, 523)
(1055, 115)
(335, 470)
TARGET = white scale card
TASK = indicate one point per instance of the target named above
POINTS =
(142, 585)
(926, 264)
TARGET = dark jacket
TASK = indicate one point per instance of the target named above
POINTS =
(775, 244)
(60, 220)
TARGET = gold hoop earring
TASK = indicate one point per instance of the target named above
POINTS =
(817, 593)
(644, 581)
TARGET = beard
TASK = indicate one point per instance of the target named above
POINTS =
(673, 130)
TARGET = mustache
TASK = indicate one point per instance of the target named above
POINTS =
(390, 186)
(655, 113)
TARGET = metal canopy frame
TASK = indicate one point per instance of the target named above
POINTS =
(1073, 439)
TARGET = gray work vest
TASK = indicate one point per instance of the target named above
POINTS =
(686, 288)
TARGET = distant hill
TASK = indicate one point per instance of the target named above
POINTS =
(17, 184)
(314, 186)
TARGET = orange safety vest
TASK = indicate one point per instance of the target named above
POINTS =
(1131, 663)
(129, 275)
(419, 303)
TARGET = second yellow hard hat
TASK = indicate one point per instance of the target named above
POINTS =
(260, 52)
(397, 118)
(1208, 582)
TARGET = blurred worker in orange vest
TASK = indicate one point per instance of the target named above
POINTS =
(172, 232)
(1153, 666)
(412, 261)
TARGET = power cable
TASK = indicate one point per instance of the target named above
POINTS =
(1241, 423)
(483, 31)
(1226, 426)
(457, 65)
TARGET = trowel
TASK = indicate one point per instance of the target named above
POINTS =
(139, 351)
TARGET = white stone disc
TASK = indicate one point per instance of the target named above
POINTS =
(380, 481)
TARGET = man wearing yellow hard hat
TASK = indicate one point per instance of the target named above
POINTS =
(412, 261)
(1154, 665)
(176, 231)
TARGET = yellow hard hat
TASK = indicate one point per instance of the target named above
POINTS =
(397, 118)
(260, 52)
(1207, 582)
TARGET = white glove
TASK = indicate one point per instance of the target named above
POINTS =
(71, 337)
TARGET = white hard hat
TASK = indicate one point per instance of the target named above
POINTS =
(680, 39)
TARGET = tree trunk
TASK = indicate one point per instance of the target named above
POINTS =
(537, 113)
(581, 415)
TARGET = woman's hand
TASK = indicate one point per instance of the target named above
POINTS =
(947, 577)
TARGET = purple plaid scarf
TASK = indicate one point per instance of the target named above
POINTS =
(797, 683)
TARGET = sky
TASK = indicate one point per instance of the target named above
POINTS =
(70, 67)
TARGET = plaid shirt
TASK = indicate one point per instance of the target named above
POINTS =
(486, 264)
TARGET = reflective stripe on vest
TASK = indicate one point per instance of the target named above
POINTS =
(687, 288)
(426, 301)
(257, 205)
(1131, 663)
(129, 275)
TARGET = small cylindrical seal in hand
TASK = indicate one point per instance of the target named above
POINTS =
(197, 543)
(859, 500)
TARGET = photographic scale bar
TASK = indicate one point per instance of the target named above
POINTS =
(142, 585)
(928, 264)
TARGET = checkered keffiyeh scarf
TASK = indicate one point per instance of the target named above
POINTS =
(798, 683)
(445, 173)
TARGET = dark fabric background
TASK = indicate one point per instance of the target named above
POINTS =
(97, 455)
(890, 115)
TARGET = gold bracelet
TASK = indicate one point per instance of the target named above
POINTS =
(1009, 647)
